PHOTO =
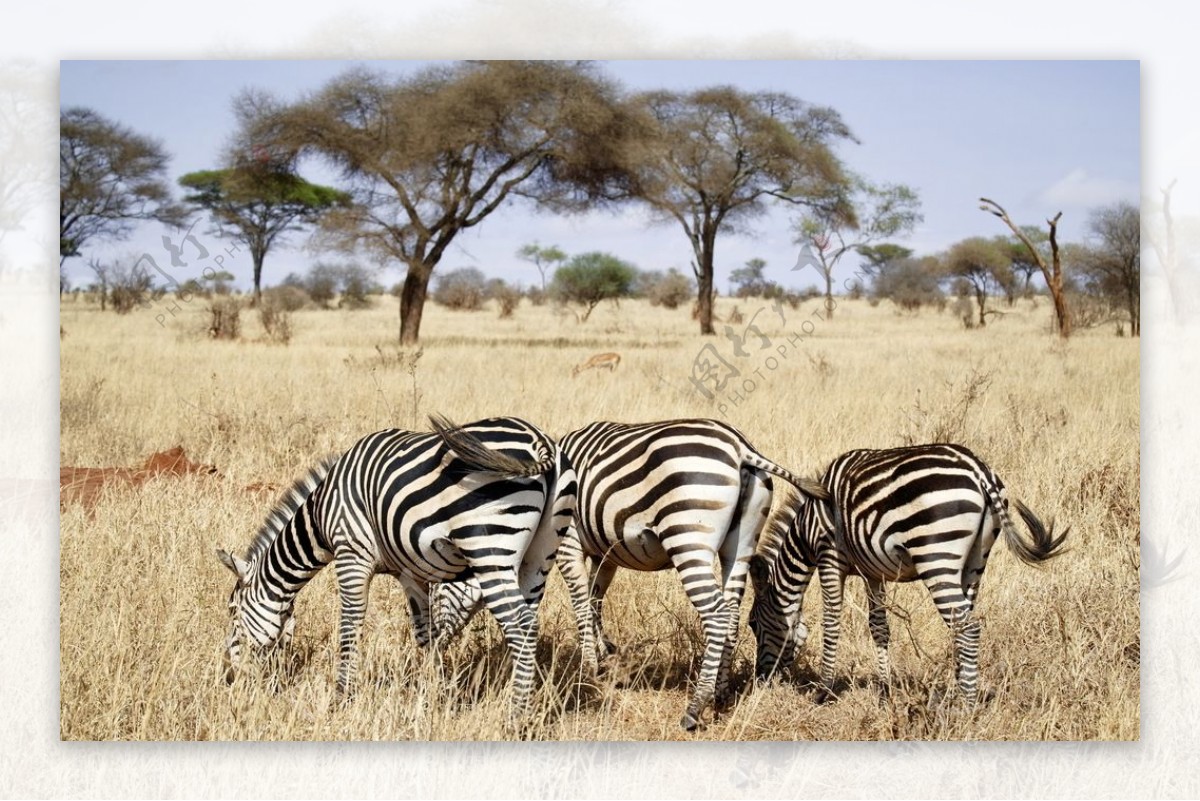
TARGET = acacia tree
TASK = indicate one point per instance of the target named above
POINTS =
(878, 258)
(749, 281)
(1114, 263)
(884, 211)
(981, 265)
(1052, 273)
(711, 160)
(258, 202)
(428, 156)
(542, 257)
(590, 278)
(109, 178)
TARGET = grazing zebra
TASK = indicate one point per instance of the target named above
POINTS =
(929, 512)
(491, 500)
(677, 494)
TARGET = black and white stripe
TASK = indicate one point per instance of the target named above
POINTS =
(673, 494)
(930, 513)
(491, 500)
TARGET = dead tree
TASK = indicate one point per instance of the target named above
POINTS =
(1052, 273)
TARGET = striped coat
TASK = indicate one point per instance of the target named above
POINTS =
(491, 500)
(676, 494)
(928, 513)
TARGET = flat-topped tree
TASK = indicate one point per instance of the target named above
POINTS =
(258, 201)
(982, 267)
(714, 158)
(428, 156)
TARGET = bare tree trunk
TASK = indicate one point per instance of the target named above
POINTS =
(1053, 276)
(412, 301)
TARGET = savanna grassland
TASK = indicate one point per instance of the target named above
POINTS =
(143, 597)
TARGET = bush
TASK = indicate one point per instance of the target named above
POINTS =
(321, 283)
(964, 310)
(276, 320)
(774, 291)
(225, 318)
(537, 296)
(356, 285)
(285, 298)
(671, 290)
(910, 284)
(129, 287)
(464, 289)
(507, 297)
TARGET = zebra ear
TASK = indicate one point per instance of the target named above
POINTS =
(240, 567)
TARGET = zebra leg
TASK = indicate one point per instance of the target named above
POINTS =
(454, 604)
(418, 605)
(833, 580)
(602, 576)
(753, 507)
(354, 583)
(502, 596)
(573, 566)
(695, 566)
(878, 622)
(958, 613)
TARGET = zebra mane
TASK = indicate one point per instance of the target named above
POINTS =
(775, 530)
(287, 506)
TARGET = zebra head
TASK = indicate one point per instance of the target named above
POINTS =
(774, 638)
(260, 622)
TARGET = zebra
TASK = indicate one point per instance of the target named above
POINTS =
(491, 500)
(677, 493)
(927, 512)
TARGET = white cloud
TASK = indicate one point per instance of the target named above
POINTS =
(1080, 188)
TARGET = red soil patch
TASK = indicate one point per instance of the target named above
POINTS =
(83, 484)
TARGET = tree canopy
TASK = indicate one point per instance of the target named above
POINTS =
(590, 278)
(258, 202)
(868, 213)
(711, 160)
(109, 177)
(430, 155)
(981, 266)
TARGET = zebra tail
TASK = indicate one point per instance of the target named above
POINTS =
(1044, 546)
(478, 456)
(813, 489)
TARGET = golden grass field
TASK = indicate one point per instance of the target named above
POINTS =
(143, 596)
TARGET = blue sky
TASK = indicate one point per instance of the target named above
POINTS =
(1038, 136)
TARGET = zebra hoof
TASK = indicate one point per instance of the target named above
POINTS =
(825, 696)
(690, 721)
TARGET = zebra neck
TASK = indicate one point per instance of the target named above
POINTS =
(290, 560)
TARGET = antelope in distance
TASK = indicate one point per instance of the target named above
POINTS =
(609, 360)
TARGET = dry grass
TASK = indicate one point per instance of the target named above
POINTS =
(143, 596)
